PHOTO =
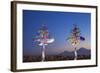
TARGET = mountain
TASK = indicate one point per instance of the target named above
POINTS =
(84, 51)
(81, 51)
(67, 53)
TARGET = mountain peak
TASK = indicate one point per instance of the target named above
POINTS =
(81, 51)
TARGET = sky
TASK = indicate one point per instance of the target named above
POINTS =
(59, 25)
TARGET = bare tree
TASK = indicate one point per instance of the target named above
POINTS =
(75, 38)
(44, 39)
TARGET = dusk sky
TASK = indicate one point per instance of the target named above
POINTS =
(59, 25)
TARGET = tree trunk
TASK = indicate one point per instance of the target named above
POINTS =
(75, 52)
(43, 53)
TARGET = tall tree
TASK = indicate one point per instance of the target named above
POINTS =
(44, 39)
(75, 38)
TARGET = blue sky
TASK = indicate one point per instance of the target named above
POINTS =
(59, 25)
